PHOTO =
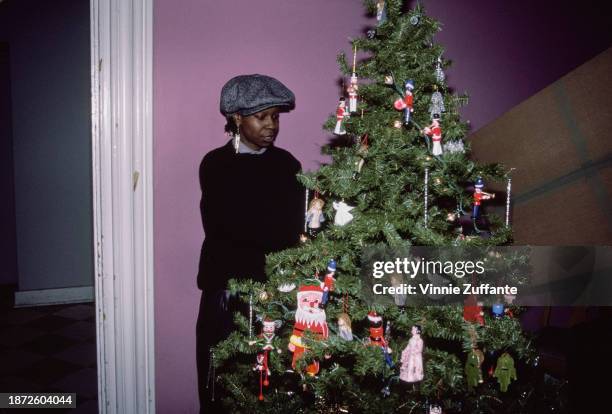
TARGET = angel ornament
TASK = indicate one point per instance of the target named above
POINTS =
(412, 358)
(343, 215)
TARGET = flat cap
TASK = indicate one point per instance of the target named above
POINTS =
(248, 94)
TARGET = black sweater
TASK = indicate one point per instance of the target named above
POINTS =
(252, 204)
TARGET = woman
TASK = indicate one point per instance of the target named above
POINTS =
(252, 204)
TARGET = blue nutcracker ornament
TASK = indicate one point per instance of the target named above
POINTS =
(406, 101)
(329, 281)
(498, 310)
(479, 196)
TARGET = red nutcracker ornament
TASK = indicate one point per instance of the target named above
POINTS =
(341, 114)
(329, 282)
(472, 310)
(309, 317)
(406, 102)
(435, 132)
(377, 336)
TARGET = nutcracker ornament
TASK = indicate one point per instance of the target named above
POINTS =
(314, 216)
(479, 196)
(473, 368)
(472, 310)
(435, 132)
(412, 358)
(377, 336)
(406, 102)
(505, 372)
(353, 87)
(329, 281)
(309, 317)
(343, 215)
(341, 114)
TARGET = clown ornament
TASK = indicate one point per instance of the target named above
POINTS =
(309, 317)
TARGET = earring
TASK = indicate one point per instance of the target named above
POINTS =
(237, 139)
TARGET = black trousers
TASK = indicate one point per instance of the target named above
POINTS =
(215, 323)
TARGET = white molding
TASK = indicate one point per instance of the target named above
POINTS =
(59, 296)
(122, 153)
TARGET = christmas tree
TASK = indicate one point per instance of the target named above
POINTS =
(400, 176)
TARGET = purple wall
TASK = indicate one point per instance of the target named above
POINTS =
(503, 52)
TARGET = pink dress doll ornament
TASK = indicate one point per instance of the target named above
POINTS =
(412, 358)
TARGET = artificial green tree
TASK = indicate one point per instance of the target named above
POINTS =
(385, 182)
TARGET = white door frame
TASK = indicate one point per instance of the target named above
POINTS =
(122, 148)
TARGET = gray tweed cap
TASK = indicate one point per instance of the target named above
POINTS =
(248, 94)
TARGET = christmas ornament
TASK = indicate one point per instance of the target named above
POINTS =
(389, 81)
(304, 237)
(436, 105)
(405, 103)
(505, 371)
(309, 317)
(414, 20)
(412, 358)
(343, 215)
(479, 195)
(381, 12)
(263, 296)
(377, 336)
(305, 215)
(426, 196)
(508, 191)
(341, 114)
(472, 310)
(329, 281)
(361, 152)
(473, 368)
(371, 34)
(286, 287)
(397, 124)
(250, 316)
(435, 409)
(440, 76)
(345, 330)
(314, 216)
(454, 147)
(497, 310)
(264, 372)
(353, 86)
(435, 132)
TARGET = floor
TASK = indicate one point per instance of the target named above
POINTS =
(48, 349)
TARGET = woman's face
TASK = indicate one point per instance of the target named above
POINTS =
(260, 129)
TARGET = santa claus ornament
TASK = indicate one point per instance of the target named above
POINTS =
(406, 102)
(309, 317)
(435, 132)
(329, 282)
(341, 114)
(377, 336)
(412, 358)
